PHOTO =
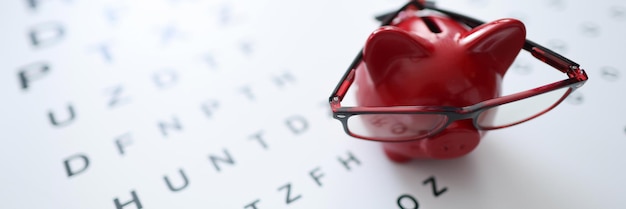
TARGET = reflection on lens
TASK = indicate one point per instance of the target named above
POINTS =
(395, 127)
(521, 110)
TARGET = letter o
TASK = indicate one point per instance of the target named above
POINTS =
(409, 198)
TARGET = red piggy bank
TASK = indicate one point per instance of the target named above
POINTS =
(434, 61)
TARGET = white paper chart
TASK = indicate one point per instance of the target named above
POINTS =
(223, 104)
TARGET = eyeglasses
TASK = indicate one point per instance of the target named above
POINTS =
(407, 123)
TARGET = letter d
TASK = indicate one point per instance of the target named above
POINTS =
(80, 160)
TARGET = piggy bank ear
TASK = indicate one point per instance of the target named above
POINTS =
(496, 43)
(390, 48)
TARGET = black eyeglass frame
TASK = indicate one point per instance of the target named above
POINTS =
(576, 78)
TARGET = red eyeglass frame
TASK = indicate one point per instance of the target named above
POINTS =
(576, 78)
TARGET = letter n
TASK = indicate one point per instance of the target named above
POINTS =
(226, 159)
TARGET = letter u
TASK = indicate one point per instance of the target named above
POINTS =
(64, 122)
(176, 189)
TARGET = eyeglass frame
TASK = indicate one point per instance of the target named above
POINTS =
(576, 78)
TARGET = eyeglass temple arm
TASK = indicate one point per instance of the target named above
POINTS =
(542, 53)
(348, 77)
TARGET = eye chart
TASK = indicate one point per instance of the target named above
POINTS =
(223, 104)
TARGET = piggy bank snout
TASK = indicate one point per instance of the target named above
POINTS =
(458, 139)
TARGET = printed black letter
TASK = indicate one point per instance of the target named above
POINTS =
(610, 73)
(32, 72)
(103, 49)
(46, 34)
(227, 159)
(57, 123)
(316, 177)
(248, 92)
(174, 189)
(208, 107)
(33, 4)
(165, 78)
(409, 198)
(246, 47)
(123, 141)
(210, 60)
(575, 98)
(288, 198)
(116, 98)
(252, 205)
(433, 183)
(297, 124)
(80, 157)
(259, 137)
(135, 199)
(168, 33)
(351, 158)
(283, 79)
(165, 126)
(112, 14)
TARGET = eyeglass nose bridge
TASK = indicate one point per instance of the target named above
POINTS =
(455, 117)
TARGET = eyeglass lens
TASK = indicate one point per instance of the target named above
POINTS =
(521, 110)
(395, 127)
